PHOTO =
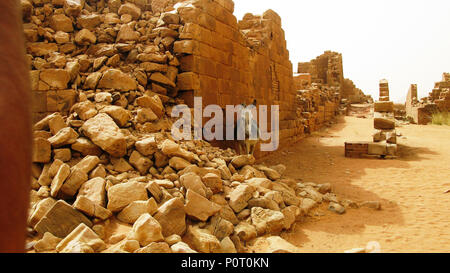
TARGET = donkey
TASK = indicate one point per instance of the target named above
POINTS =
(251, 130)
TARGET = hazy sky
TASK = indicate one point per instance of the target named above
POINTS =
(403, 41)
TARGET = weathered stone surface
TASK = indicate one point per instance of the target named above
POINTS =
(137, 208)
(87, 164)
(61, 219)
(121, 195)
(140, 162)
(384, 106)
(147, 230)
(161, 79)
(171, 149)
(172, 217)
(276, 244)
(86, 147)
(61, 22)
(198, 207)
(85, 110)
(57, 182)
(81, 238)
(155, 248)
(193, 182)
(48, 243)
(267, 221)
(154, 103)
(91, 209)
(147, 146)
(85, 37)
(242, 160)
(178, 163)
(62, 154)
(73, 183)
(118, 114)
(95, 191)
(116, 79)
(42, 150)
(103, 132)
(131, 9)
(65, 136)
(56, 78)
(214, 182)
(240, 196)
(203, 241)
(384, 123)
(41, 209)
(245, 231)
(182, 247)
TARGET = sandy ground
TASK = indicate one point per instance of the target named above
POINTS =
(415, 215)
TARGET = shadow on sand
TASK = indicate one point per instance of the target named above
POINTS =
(314, 160)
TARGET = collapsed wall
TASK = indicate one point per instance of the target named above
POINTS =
(421, 112)
(327, 69)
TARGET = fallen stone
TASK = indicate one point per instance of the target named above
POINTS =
(116, 79)
(198, 207)
(172, 217)
(147, 230)
(155, 248)
(182, 247)
(121, 195)
(337, 208)
(91, 209)
(203, 241)
(193, 182)
(276, 244)
(80, 237)
(86, 147)
(57, 182)
(65, 136)
(42, 150)
(118, 114)
(267, 221)
(137, 208)
(240, 196)
(242, 160)
(104, 132)
(48, 243)
(95, 191)
(61, 220)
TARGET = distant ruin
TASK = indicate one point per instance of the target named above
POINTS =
(421, 111)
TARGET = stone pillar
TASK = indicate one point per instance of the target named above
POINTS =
(384, 90)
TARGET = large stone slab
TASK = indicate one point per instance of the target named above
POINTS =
(61, 220)
(172, 217)
(104, 132)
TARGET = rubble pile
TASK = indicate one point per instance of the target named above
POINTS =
(104, 78)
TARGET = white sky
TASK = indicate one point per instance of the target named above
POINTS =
(404, 41)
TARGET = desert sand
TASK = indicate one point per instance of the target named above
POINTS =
(415, 215)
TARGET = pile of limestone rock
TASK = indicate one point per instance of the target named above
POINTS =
(179, 197)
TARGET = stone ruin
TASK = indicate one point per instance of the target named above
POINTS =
(105, 76)
(384, 143)
(420, 112)
(327, 69)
